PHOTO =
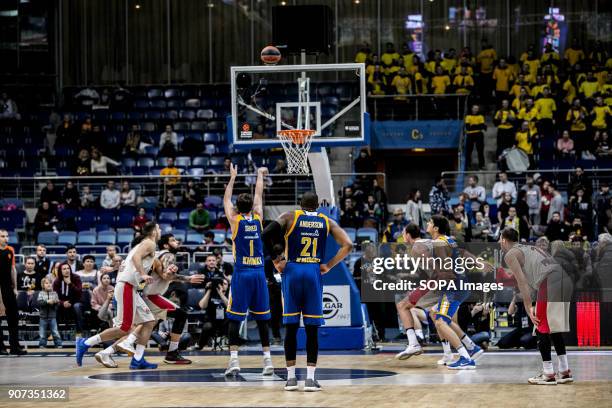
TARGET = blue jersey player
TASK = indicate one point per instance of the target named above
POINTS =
(249, 289)
(305, 235)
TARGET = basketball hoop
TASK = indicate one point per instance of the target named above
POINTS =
(296, 143)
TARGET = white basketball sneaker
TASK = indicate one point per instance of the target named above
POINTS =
(446, 359)
(409, 352)
(106, 360)
(126, 347)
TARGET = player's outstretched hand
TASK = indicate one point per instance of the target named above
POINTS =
(196, 279)
(233, 170)
(280, 264)
(147, 279)
(172, 269)
(263, 171)
(323, 268)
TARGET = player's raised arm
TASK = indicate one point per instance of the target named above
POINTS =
(259, 187)
(346, 245)
(515, 266)
(228, 207)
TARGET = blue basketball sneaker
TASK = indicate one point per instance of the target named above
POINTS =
(475, 353)
(141, 364)
(81, 349)
(462, 364)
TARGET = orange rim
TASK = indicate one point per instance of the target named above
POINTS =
(297, 136)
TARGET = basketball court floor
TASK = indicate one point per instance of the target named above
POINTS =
(349, 379)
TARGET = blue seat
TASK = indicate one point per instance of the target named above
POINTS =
(200, 161)
(151, 150)
(128, 163)
(12, 220)
(140, 171)
(87, 219)
(351, 232)
(125, 237)
(179, 234)
(216, 161)
(125, 217)
(107, 217)
(187, 114)
(194, 296)
(219, 235)
(67, 238)
(86, 238)
(184, 214)
(47, 238)
(165, 228)
(194, 238)
(213, 201)
(369, 234)
(195, 171)
(211, 137)
(159, 104)
(181, 224)
(183, 161)
(146, 162)
(13, 239)
(107, 237)
(167, 215)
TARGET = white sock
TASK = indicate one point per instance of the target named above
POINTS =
(266, 354)
(310, 372)
(109, 350)
(563, 366)
(291, 372)
(412, 339)
(93, 340)
(131, 338)
(447, 348)
(234, 354)
(140, 349)
(463, 352)
(173, 346)
(419, 333)
(547, 367)
(467, 342)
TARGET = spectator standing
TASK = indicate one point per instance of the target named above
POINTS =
(42, 263)
(66, 132)
(29, 279)
(574, 53)
(89, 275)
(99, 162)
(503, 186)
(414, 208)
(170, 170)
(438, 197)
(581, 207)
(463, 81)
(524, 140)
(474, 128)
(72, 259)
(110, 198)
(48, 301)
(522, 213)
(477, 194)
(69, 289)
(191, 195)
(557, 229)
(546, 198)
(127, 196)
(486, 59)
(546, 108)
(8, 292)
(579, 180)
(533, 195)
(199, 219)
(102, 299)
(556, 203)
(504, 120)
(601, 114)
(502, 75)
(168, 142)
(503, 209)
(576, 119)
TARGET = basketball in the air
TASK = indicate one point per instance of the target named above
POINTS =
(270, 55)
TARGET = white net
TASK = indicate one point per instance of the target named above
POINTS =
(296, 143)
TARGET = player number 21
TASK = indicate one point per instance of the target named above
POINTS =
(307, 242)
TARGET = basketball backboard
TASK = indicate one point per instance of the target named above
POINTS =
(327, 98)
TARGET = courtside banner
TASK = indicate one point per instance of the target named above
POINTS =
(337, 305)
(427, 134)
(477, 271)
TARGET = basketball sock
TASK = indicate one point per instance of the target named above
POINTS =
(140, 349)
(467, 342)
(447, 348)
(563, 365)
(131, 338)
(93, 340)
(234, 354)
(173, 346)
(547, 367)
(419, 333)
(109, 350)
(310, 372)
(463, 352)
(266, 354)
(412, 338)
(291, 372)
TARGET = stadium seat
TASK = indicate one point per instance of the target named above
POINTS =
(179, 234)
(125, 237)
(200, 161)
(67, 238)
(87, 219)
(184, 214)
(126, 217)
(213, 201)
(195, 171)
(367, 234)
(107, 217)
(167, 216)
(151, 150)
(352, 233)
(219, 236)
(200, 126)
(107, 237)
(183, 161)
(86, 238)
(216, 161)
(211, 138)
(47, 238)
(205, 114)
(146, 162)
(193, 238)
(181, 224)
(193, 298)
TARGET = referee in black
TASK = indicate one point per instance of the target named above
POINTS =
(8, 289)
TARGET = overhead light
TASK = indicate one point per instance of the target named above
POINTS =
(283, 3)
(137, 7)
(357, 1)
(418, 149)
(211, 4)
(447, 27)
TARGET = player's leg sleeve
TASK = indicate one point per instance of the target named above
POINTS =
(180, 318)
(544, 346)
(233, 332)
(559, 343)
(264, 333)
(291, 341)
(312, 343)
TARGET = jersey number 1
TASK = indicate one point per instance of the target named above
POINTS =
(307, 242)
